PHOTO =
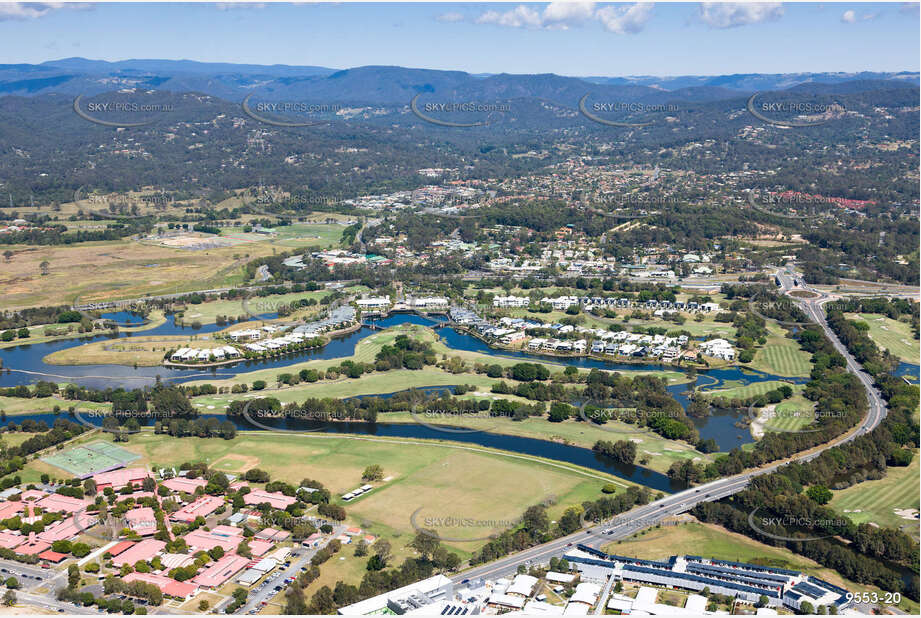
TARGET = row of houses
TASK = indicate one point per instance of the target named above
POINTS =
(185, 355)
(562, 303)
(338, 318)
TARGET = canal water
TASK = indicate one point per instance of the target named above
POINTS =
(24, 364)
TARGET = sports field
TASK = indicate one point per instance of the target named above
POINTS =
(445, 480)
(91, 458)
(878, 501)
(891, 335)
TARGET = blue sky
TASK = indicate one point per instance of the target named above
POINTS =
(564, 38)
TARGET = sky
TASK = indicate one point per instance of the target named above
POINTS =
(566, 38)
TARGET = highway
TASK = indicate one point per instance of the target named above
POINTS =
(628, 524)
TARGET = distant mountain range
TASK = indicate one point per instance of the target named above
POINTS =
(386, 85)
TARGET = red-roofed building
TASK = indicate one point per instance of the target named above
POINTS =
(11, 508)
(183, 484)
(201, 507)
(226, 531)
(144, 550)
(201, 540)
(32, 494)
(142, 521)
(56, 503)
(119, 548)
(167, 585)
(9, 540)
(61, 530)
(51, 556)
(175, 561)
(258, 546)
(116, 479)
(276, 499)
(271, 534)
(220, 571)
(32, 546)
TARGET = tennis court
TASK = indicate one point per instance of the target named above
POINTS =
(88, 459)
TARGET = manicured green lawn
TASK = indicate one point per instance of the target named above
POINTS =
(893, 335)
(442, 479)
(749, 390)
(876, 501)
(21, 405)
(781, 356)
(792, 414)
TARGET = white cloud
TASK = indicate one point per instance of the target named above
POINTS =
(450, 17)
(565, 15)
(230, 6)
(732, 14)
(850, 17)
(623, 20)
(519, 17)
(33, 10)
(562, 15)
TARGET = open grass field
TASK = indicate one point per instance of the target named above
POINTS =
(206, 313)
(444, 480)
(891, 335)
(781, 356)
(791, 415)
(139, 351)
(732, 390)
(369, 384)
(118, 269)
(877, 501)
(711, 541)
(20, 405)
(128, 268)
(318, 235)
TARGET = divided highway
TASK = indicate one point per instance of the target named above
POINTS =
(628, 524)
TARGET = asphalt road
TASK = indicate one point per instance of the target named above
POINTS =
(628, 524)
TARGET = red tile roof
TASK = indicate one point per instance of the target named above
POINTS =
(120, 547)
(52, 556)
(221, 570)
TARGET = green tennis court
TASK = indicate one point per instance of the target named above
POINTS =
(91, 458)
